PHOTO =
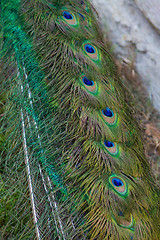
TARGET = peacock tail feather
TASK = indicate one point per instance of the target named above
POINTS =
(72, 154)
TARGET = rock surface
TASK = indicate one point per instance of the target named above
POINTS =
(133, 27)
(151, 10)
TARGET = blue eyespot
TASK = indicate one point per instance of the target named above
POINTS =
(67, 15)
(108, 144)
(119, 185)
(82, 2)
(111, 147)
(90, 49)
(107, 112)
(90, 85)
(117, 182)
(87, 82)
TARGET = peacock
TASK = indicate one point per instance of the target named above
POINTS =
(72, 156)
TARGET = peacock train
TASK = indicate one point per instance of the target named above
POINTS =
(72, 155)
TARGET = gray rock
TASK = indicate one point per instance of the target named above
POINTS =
(151, 10)
(134, 37)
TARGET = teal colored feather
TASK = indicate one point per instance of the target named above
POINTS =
(71, 148)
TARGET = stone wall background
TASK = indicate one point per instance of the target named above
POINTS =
(133, 26)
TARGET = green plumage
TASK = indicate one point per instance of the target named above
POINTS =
(66, 121)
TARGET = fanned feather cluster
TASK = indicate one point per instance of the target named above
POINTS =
(70, 145)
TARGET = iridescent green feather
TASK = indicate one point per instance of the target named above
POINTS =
(79, 128)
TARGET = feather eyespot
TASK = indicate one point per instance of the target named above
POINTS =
(91, 51)
(67, 15)
(87, 82)
(109, 116)
(111, 147)
(69, 18)
(118, 184)
(90, 85)
(107, 112)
